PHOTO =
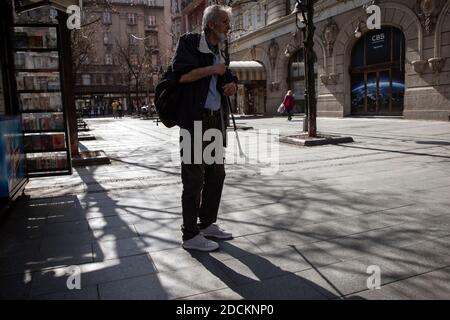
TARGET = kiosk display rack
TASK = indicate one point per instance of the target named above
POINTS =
(39, 73)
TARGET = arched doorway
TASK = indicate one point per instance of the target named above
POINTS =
(296, 79)
(378, 73)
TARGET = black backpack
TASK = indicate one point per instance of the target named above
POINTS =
(167, 99)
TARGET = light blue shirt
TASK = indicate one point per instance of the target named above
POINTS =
(213, 100)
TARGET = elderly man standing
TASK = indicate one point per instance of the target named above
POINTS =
(204, 83)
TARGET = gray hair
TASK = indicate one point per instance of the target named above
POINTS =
(211, 12)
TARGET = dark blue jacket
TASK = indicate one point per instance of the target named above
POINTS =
(188, 56)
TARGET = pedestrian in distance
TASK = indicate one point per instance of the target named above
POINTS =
(289, 104)
(205, 82)
(119, 110)
(114, 106)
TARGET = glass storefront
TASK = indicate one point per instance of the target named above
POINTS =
(378, 76)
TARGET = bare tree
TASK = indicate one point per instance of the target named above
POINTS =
(135, 60)
(83, 48)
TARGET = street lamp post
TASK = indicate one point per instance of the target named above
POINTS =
(304, 12)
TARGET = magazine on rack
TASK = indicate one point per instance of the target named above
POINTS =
(47, 142)
(58, 141)
(20, 83)
(37, 142)
(28, 83)
(44, 123)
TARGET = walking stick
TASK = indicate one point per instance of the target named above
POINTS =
(227, 64)
(227, 100)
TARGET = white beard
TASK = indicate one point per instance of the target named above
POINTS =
(221, 36)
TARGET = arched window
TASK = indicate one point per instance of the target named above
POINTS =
(296, 81)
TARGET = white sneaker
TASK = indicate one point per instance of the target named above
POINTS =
(199, 242)
(214, 231)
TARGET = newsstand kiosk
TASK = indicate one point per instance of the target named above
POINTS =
(35, 93)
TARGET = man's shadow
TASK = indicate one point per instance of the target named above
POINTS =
(271, 283)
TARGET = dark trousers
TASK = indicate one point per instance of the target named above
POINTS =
(289, 113)
(202, 188)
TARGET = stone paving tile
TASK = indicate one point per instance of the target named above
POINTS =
(387, 292)
(170, 285)
(89, 237)
(125, 247)
(258, 267)
(438, 245)
(15, 287)
(38, 206)
(393, 237)
(60, 217)
(54, 280)
(87, 293)
(272, 240)
(179, 258)
(244, 228)
(160, 228)
(397, 264)
(223, 294)
(336, 228)
(108, 250)
(242, 209)
(289, 222)
(159, 216)
(315, 256)
(136, 218)
(342, 278)
(20, 225)
(62, 256)
(64, 228)
(433, 285)
(236, 248)
(287, 287)
(12, 248)
(429, 228)
(102, 223)
(114, 233)
(321, 284)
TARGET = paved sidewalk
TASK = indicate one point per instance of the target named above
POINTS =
(310, 231)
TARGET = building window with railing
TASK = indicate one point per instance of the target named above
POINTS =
(86, 79)
(106, 17)
(151, 21)
(84, 59)
(107, 38)
(108, 59)
(131, 19)
(152, 40)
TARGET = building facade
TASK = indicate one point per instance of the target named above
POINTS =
(131, 44)
(401, 69)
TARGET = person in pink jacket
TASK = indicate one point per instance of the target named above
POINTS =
(289, 104)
